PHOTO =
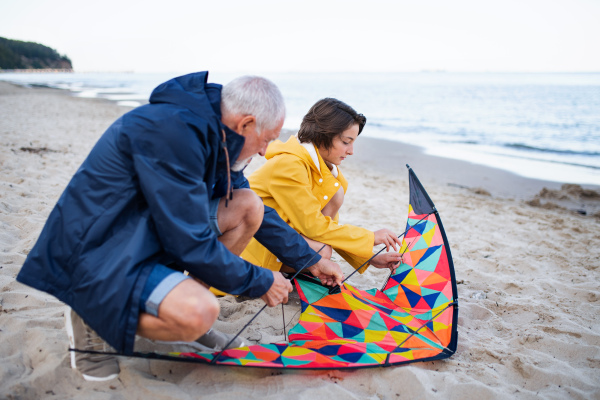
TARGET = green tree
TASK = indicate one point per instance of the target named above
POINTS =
(16, 54)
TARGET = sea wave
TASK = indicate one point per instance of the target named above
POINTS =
(520, 146)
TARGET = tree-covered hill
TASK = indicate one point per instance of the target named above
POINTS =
(16, 54)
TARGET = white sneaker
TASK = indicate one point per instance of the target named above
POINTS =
(93, 367)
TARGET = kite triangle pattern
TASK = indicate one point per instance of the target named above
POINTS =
(413, 318)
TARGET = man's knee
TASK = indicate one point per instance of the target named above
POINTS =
(189, 310)
(200, 315)
(251, 206)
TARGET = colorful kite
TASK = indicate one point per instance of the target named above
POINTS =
(412, 318)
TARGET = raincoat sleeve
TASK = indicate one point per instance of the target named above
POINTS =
(291, 189)
(170, 162)
(356, 261)
(280, 239)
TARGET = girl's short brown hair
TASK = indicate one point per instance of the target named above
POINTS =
(326, 119)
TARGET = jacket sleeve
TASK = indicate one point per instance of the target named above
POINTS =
(290, 187)
(169, 160)
(284, 242)
(354, 261)
(279, 238)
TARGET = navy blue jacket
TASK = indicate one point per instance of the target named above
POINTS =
(141, 198)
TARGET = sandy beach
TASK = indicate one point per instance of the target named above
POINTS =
(526, 256)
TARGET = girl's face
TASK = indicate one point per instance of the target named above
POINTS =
(342, 147)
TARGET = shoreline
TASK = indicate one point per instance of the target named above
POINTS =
(36, 71)
(529, 164)
(527, 278)
(382, 154)
(388, 155)
(391, 157)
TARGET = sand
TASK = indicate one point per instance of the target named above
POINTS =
(527, 265)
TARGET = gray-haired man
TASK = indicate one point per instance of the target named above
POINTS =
(161, 192)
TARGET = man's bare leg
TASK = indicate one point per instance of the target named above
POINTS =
(186, 313)
(190, 309)
(240, 220)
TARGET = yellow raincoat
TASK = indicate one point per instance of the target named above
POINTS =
(297, 183)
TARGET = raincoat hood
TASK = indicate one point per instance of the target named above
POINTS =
(191, 91)
(307, 152)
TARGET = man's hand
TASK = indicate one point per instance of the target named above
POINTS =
(328, 272)
(387, 237)
(279, 291)
(387, 260)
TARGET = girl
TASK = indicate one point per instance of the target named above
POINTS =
(302, 181)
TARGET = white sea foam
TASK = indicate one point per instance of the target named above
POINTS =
(527, 167)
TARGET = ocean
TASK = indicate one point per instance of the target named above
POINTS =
(539, 125)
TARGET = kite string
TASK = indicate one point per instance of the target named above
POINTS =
(214, 360)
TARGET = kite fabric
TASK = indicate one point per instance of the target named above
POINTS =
(412, 318)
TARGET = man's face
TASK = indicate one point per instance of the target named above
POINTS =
(255, 143)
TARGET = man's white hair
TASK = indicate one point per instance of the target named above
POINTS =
(257, 96)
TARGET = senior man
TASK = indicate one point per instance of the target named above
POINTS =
(163, 192)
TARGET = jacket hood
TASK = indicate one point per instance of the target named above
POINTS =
(192, 92)
(203, 99)
(292, 146)
(305, 151)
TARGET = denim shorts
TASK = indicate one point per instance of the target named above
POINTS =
(163, 279)
(213, 208)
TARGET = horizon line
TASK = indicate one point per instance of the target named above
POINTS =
(424, 71)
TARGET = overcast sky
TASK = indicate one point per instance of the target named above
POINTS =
(312, 35)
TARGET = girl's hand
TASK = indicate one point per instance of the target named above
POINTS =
(387, 237)
(387, 260)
